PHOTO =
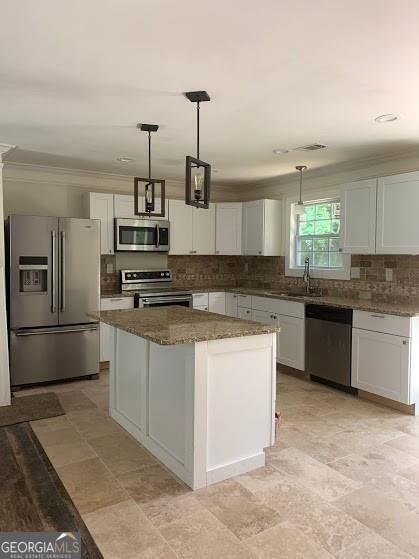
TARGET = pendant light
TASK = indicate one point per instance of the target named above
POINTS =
(198, 172)
(299, 206)
(149, 183)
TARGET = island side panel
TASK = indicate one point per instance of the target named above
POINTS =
(241, 392)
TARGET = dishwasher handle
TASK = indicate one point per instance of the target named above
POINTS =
(329, 314)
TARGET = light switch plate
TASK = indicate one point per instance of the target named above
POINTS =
(109, 268)
(389, 274)
(355, 272)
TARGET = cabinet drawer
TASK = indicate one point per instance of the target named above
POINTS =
(244, 301)
(108, 303)
(278, 306)
(200, 300)
(379, 322)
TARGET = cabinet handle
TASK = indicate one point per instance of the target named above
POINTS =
(273, 316)
(234, 296)
(378, 315)
(247, 312)
(404, 342)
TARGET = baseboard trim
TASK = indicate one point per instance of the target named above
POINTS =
(227, 471)
(387, 402)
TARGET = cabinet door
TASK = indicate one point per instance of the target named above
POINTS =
(359, 201)
(228, 228)
(217, 302)
(242, 312)
(253, 227)
(101, 207)
(231, 304)
(200, 300)
(180, 227)
(381, 364)
(203, 230)
(291, 342)
(397, 221)
(124, 206)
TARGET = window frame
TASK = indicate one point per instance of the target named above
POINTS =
(290, 223)
(316, 236)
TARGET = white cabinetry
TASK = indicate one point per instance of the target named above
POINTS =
(107, 304)
(359, 201)
(124, 206)
(217, 302)
(262, 227)
(289, 316)
(245, 313)
(385, 355)
(397, 222)
(192, 230)
(100, 206)
(200, 301)
(231, 304)
(228, 228)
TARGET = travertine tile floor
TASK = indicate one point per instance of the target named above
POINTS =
(342, 481)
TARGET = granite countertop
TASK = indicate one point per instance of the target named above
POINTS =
(180, 325)
(398, 309)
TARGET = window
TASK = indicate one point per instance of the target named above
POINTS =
(317, 234)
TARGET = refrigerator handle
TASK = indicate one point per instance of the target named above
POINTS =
(62, 271)
(53, 272)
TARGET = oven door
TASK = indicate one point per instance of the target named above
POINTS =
(141, 235)
(178, 300)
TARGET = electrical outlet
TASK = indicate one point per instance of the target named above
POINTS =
(355, 272)
(389, 274)
(109, 268)
(246, 267)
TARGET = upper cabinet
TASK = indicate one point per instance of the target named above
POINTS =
(262, 227)
(124, 207)
(101, 206)
(192, 230)
(228, 228)
(397, 222)
(358, 200)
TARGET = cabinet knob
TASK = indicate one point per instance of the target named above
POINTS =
(259, 252)
(404, 342)
(217, 252)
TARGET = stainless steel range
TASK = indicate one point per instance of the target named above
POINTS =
(153, 288)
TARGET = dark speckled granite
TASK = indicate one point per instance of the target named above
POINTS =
(179, 325)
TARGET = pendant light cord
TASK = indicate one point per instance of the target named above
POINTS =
(301, 185)
(197, 130)
(149, 155)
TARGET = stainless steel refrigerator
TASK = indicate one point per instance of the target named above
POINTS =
(53, 280)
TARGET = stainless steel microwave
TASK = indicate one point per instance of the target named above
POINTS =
(141, 235)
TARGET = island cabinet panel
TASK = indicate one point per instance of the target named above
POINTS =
(130, 382)
(170, 385)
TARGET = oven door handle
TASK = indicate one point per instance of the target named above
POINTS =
(165, 299)
(157, 236)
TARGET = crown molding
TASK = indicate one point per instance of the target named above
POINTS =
(361, 165)
(63, 176)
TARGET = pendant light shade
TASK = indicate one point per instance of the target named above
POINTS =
(198, 172)
(299, 206)
(147, 186)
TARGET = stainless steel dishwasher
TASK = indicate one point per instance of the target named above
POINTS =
(329, 345)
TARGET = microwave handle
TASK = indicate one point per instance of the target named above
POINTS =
(157, 236)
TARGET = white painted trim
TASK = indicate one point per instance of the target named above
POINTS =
(315, 273)
(4, 347)
(240, 467)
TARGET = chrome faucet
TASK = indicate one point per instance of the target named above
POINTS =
(306, 275)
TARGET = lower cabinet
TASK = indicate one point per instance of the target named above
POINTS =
(231, 301)
(217, 302)
(381, 364)
(290, 339)
(107, 304)
(245, 313)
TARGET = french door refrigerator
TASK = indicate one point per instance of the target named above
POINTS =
(53, 280)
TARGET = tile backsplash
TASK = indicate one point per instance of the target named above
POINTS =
(269, 273)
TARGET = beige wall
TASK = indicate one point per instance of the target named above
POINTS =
(36, 190)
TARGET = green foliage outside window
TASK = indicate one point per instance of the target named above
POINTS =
(318, 232)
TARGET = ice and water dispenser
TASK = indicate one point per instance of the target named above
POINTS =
(33, 274)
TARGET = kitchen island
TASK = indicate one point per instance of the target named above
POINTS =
(197, 389)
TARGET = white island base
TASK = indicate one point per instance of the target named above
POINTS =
(205, 410)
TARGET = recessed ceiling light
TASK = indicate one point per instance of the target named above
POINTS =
(389, 117)
(280, 151)
(123, 159)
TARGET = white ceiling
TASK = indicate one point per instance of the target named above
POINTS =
(77, 76)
